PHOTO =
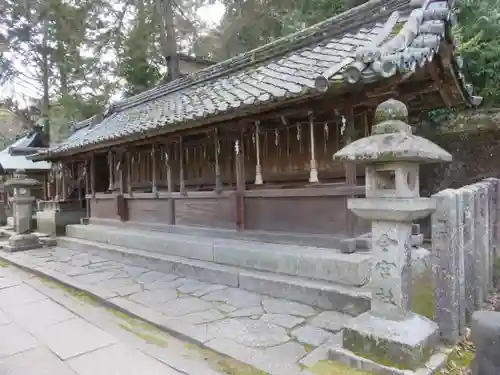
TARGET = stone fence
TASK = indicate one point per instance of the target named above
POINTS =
(465, 246)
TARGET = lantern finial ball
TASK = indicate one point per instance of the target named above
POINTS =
(391, 116)
(391, 110)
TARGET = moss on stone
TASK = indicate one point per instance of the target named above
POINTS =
(379, 351)
(227, 365)
(134, 322)
(460, 358)
(308, 348)
(4, 264)
(423, 300)
(75, 293)
(334, 368)
(146, 336)
(496, 270)
(391, 110)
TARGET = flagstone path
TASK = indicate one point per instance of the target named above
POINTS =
(274, 335)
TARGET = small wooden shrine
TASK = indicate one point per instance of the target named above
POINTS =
(247, 143)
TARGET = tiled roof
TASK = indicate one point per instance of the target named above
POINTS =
(9, 162)
(373, 41)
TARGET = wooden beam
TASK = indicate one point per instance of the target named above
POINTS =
(438, 84)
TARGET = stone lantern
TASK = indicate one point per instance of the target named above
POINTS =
(390, 333)
(23, 202)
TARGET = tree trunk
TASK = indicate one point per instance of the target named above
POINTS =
(45, 79)
(169, 39)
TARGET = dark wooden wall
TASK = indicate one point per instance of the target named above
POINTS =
(312, 210)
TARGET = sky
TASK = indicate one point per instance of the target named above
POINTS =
(23, 89)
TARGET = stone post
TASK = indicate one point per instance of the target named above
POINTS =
(24, 239)
(390, 332)
(448, 264)
(470, 276)
(495, 223)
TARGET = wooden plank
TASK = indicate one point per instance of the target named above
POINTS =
(313, 191)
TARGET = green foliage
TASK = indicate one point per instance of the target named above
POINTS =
(248, 24)
(479, 27)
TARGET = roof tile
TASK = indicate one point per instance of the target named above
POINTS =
(285, 68)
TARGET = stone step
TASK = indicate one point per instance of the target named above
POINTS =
(316, 240)
(293, 260)
(322, 294)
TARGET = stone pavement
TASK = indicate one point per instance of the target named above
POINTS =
(39, 336)
(274, 335)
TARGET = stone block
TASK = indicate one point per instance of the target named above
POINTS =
(282, 320)
(469, 240)
(211, 273)
(39, 361)
(15, 340)
(281, 306)
(482, 245)
(234, 297)
(311, 335)
(486, 337)
(492, 212)
(446, 268)
(118, 359)
(460, 259)
(54, 221)
(417, 240)
(75, 337)
(496, 224)
(21, 242)
(405, 344)
(489, 189)
(323, 295)
(250, 333)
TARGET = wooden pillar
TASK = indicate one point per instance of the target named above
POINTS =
(350, 170)
(258, 166)
(154, 183)
(110, 169)
(170, 188)
(57, 178)
(313, 173)
(130, 161)
(182, 186)
(79, 177)
(121, 172)
(86, 172)
(240, 187)
(92, 176)
(64, 186)
(218, 182)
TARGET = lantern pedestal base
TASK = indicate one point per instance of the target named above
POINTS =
(405, 344)
(21, 242)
